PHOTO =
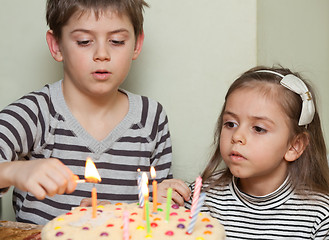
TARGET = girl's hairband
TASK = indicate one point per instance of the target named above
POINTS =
(296, 85)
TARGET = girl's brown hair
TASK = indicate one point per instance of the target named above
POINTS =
(58, 12)
(310, 171)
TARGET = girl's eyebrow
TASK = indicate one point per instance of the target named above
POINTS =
(230, 113)
(262, 118)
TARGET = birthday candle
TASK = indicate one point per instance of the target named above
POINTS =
(197, 189)
(145, 191)
(169, 193)
(94, 201)
(140, 192)
(126, 225)
(196, 213)
(155, 190)
(148, 223)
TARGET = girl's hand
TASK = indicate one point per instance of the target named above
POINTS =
(86, 202)
(42, 177)
(180, 191)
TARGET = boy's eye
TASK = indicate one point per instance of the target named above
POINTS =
(259, 129)
(83, 42)
(230, 124)
(117, 42)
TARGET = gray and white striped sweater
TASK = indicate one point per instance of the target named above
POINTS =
(40, 125)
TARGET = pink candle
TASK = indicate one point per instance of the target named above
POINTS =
(197, 189)
(125, 225)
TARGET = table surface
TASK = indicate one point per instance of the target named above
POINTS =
(19, 231)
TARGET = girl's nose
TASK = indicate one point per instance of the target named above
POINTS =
(238, 137)
(102, 53)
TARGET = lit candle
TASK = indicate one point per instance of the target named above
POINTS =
(94, 201)
(92, 175)
(197, 189)
(126, 225)
(147, 212)
(169, 193)
(145, 191)
(196, 213)
(155, 190)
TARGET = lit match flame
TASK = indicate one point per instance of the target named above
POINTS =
(91, 173)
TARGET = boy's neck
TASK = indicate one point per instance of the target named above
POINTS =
(97, 115)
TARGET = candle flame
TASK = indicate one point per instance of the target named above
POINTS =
(153, 173)
(145, 188)
(91, 173)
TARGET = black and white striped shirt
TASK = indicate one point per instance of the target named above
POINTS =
(282, 214)
(40, 125)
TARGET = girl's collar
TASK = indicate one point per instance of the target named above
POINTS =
(271, 200)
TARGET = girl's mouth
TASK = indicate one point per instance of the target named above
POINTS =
(236, 156)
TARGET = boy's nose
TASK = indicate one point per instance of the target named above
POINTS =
(102, 53)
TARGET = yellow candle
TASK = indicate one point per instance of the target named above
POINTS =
(155, 200)
(94, 202)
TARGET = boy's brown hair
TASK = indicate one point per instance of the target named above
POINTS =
(58, 12)
(310, 171)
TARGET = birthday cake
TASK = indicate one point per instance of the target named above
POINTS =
(127, 221)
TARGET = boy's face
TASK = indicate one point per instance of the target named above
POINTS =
(97, 53)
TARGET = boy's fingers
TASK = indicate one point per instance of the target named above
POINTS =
(180, 187)
(86, 202)
(177, 198)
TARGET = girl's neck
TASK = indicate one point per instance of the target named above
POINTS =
(260, 187)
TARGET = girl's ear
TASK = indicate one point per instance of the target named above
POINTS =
(53, 45)
(138, 45)
(297, 147)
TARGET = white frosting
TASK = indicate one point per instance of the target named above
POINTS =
(108, 224)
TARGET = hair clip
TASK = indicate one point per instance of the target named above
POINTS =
(296, 85)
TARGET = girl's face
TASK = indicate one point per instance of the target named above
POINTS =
(254, 140)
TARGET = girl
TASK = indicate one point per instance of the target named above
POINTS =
(276, 181)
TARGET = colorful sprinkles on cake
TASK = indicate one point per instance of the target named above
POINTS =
(111, 224)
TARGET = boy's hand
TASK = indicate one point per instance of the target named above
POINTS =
(180, 191)
(86, 202)
(43, 177)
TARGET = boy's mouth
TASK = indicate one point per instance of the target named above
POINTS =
(101, 74)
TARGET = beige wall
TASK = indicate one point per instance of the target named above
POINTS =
(295, 33)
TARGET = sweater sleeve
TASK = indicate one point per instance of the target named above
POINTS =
(162, 155)
(23, 127)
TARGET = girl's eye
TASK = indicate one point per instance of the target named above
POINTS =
(230, 124)
(260, 129)
(117, 42)
(83, 43)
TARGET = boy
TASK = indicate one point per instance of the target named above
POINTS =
(46, 136)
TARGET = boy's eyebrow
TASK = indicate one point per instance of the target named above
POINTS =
(91, 31)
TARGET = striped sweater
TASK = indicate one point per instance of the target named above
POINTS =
(40, 125)
(282, 214)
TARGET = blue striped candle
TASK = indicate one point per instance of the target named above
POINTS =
(196, 213)
(140, 192)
